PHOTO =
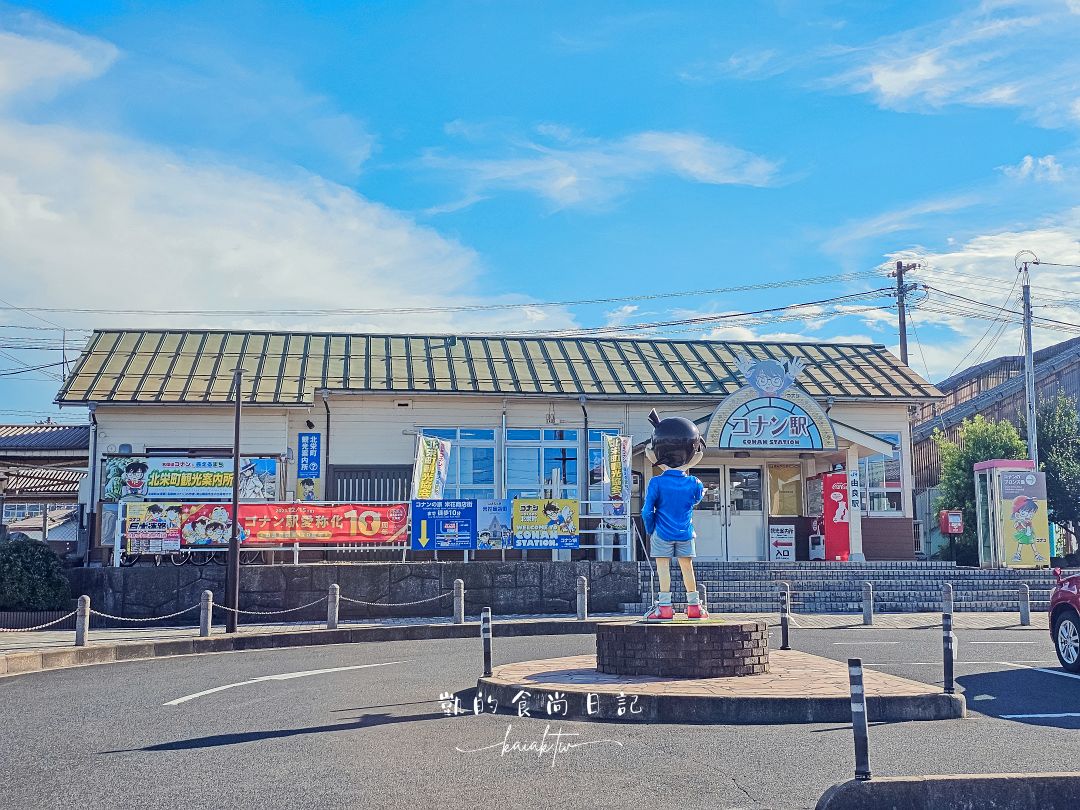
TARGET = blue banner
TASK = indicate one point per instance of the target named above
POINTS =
(443, 525)
(309, 457)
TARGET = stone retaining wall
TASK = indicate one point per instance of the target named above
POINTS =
(506, 587)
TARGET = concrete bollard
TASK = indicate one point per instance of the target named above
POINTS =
(867, 603)
(785, 614)
(1025, 605)
(858, 719)
(485, 635)
(459, 601)
(582, 598)
(82, 621)
(333, 605)
(206, 613)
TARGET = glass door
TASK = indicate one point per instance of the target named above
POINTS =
(709, 515)
(744, 525)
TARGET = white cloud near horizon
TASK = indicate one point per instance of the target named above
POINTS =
(1045, 169)
(571, 171)
(93, 219)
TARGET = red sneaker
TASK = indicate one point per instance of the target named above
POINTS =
(696, 612)
(660, 613)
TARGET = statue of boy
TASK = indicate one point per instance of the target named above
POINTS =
(668, 510)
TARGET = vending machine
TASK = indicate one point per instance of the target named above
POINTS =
(829, 505)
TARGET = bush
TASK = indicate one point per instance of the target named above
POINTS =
(31, 577)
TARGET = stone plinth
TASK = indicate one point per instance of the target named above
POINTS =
(684, 649)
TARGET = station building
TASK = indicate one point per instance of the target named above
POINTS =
(526, 417)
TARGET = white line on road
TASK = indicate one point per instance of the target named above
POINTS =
(1040, 669)
(1004, 642)
(1037, 716)
(860, 643)
(287, 676)
(938, 663)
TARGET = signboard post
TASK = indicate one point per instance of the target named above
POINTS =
(309, 467)
(782, 543)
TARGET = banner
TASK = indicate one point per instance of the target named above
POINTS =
(545, 523)
(429, 471)
(1025, 530)
(151, 528)
(324, 523)
(157, 478)
(493, 523)
(309, 466)
(617, 482)
(442, 525)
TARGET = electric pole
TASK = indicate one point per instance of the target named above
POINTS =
(901, 305)
(232, 570)
(1029, 372)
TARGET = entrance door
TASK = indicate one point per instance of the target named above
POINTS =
(730, 520)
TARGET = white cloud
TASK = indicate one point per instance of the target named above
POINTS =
(747, 64)
(580, 172)
(42, 58)
(896, 221)
(1017, 54)
(93, 220)
(1044, 169)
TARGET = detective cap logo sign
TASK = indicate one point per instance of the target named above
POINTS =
(770, 411)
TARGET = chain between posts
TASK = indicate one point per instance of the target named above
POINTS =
(144, 619)
(397, 604)
(271, 612)
(37, 627)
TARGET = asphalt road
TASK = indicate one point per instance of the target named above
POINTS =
(375, 737)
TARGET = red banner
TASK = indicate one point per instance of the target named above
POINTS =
(314, 523)
(332, 524)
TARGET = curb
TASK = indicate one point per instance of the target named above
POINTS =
(725, 710)
(1043, 791)
(21, 663)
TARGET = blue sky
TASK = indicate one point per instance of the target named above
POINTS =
(255, 156)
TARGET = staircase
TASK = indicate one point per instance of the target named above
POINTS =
(830, 587)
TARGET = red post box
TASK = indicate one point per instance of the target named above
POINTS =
(951, 521)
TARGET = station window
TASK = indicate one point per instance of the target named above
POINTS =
(535, 459)
(882, 480)
(471, 472)
(785, 490)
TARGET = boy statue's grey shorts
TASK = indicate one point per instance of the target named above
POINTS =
(671, 548)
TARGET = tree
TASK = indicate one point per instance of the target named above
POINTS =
(1058, 430)
(31, 577)
(978, 439)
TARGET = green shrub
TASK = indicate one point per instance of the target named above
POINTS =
(31, 577)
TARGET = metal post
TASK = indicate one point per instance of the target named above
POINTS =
(785, 614)
(232, 571)
(582, 598)
(82, 621)
(206, 614)
(858, 720)
(947, 598)
(485, 634)
(1025, 605)
(333, 602)
(1029, 374)
(459, 601)
(867, 603)
(296, 554)
(703, 596)
(948, 650)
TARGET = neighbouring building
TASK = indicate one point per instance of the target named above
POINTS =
(993, 389)
(526, 417)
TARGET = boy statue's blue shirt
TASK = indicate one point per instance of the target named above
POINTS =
(668, 509)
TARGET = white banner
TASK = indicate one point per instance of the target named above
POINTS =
(617, 481)
(429, 471)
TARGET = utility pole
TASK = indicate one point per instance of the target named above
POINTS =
(901, 305)
(232, 570)
(1029, 372)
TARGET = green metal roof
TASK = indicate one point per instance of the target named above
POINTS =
(287, 368)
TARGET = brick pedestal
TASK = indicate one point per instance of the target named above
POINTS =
(682, 649)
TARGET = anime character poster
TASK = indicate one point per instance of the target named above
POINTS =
(493, 523)
(617, 481)
(430, 469)
(545, 523)
(151, 528)
(1025, 529)
(159, 478)
(207, 524)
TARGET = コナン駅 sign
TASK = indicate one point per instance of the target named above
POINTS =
(770, 412)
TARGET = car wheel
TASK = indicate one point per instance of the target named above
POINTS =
(1067, 640)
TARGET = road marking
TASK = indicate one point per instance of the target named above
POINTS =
(1040, 669)
(1037, 716)
(287, 676)
(939, 663)
(865, 642)
(1004, 642)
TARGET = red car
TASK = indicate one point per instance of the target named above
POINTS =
(1065, 620)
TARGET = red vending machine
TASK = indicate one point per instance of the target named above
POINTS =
(834, 518)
